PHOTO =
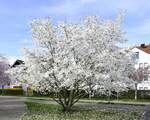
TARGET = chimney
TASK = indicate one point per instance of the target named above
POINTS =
(142, 45)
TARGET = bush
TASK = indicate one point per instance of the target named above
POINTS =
(51, 94)
(130, 94)
(12, 91)
(142, 94)
(30, 91)
(127, 94)
(17, 86)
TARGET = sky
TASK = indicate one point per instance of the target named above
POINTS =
(16, 15)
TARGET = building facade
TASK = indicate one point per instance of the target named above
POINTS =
(14, 82)
(142, 59)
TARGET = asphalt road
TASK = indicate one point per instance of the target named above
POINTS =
(11, 107)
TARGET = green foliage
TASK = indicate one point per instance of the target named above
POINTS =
(17, 86)
(30, 91)
(130, 94)
(11, 91)
(142, 94)
(51, 94)
(127, 94)
(39, 94)
(38, 111)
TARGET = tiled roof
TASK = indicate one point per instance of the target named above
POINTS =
(145, 48)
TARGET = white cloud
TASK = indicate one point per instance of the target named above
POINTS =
(87, 1)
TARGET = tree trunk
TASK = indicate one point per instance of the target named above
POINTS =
(67, 108)
(90, 91)
(67, 98)
(109, 94)
(90, 95)
(117, 96)
(135, 97)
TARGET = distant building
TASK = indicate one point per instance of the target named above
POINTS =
(142, 58)
(17, 62)
(14, 82)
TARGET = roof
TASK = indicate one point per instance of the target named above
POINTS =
(18, 62)
(145, 48)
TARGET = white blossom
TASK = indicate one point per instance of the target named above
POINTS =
(73, 57)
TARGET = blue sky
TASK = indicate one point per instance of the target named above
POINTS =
(15, 16)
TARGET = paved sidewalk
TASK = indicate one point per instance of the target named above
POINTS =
(11, 107)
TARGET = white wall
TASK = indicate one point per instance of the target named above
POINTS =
(143, 58)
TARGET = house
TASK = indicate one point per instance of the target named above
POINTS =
(17, 62)
(8, 81)
(142, 59)
(15, 83)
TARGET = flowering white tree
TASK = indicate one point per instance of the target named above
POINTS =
(4, 77)
(119, 66)
(68, 57)
(138, 76)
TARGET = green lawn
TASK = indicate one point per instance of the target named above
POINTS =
(93, 100)
(37, 111)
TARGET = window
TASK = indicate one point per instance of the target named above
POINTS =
(145, 65)
(137, 55)
(146, 77)
(140, 65)
(140, 88)
(145, 88)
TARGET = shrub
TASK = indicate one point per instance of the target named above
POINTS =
(12, 91)
(30, 91)
(142, 94)
(127, 94)
(17, 86)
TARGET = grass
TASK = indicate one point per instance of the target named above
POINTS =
(37, 111)
(93, 100)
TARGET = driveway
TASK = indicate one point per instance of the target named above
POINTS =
(11, 107)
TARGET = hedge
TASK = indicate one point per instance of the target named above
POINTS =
(48, 94)
(142, 94)
(30, 92)
(12, 91)
(127, 94)
(130, 94)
